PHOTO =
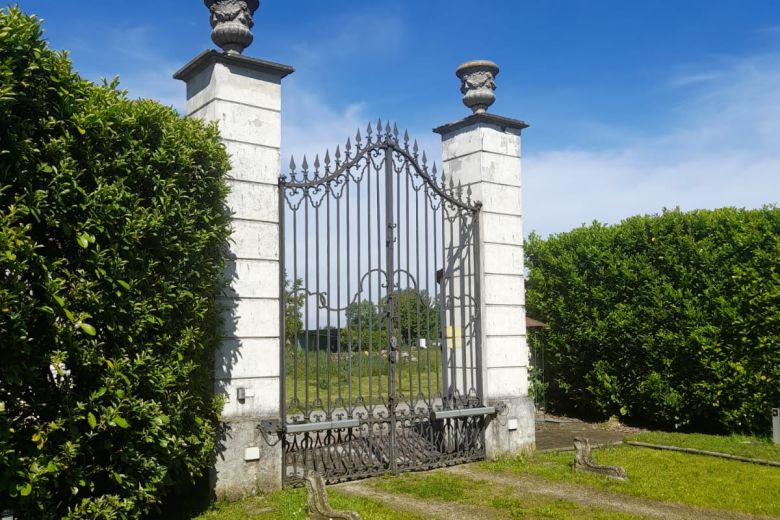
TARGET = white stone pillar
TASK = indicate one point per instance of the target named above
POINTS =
(244, 96)
(483, 151)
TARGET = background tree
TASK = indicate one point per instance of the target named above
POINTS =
(293, 322)
(415, 315)
(360, 314)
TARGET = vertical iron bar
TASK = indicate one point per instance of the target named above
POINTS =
(478, 301)
(428, 267)
(408, 287)
(349, 293)
(370, 341)
(438, 283)
(462, 249)
(295, 278)
(469, 237)
(282, 302)
(417, 323)
(389, 255)
(454, 368)
(388, 282)
(397, 314)
(317, 305)
(328, 354)
(445, 375)
(307, 331)
(359, 282)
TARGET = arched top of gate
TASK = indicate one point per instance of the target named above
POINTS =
(379, 144)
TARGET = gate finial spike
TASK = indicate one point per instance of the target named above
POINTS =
(434, 171)
(317, 163)
(424, 160)
(358, 138)
(347, 147)
(327, 159)
(468, 194)
(369, 130)
(395, 132)
(304, 165)
(292, 164)
(379, 128)
(415, 148)
(406, 139)
(388, 130)
(337, 154)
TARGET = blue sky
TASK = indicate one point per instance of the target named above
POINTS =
(633, 106)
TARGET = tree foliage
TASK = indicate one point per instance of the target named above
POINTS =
(112, 248)
(295, 300)
(415, 316)
(670, 320)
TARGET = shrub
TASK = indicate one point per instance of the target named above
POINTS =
(669, 320)
(112, 245)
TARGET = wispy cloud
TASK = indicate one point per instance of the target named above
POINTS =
(720, 150)
(131, 54)
(685, 80)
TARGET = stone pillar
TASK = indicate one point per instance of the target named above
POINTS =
(243, 95)
(483, 151)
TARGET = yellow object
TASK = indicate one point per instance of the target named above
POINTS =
(454, 336)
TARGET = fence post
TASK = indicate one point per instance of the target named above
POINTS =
(483, 151)
(243, 95)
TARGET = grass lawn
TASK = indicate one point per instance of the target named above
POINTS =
(742, 445)
(667, 476)
(291, 503)
(451, 488)
(413, 376)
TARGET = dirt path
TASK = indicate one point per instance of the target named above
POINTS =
(523, 484)
(428, 508)
(556, 434)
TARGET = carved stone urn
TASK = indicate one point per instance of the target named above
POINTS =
(478, 84)
(231, 21)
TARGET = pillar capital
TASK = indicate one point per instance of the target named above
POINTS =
(485, 119)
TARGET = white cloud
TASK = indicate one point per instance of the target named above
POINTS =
(721, 149)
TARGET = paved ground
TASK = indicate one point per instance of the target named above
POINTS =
(554, 433)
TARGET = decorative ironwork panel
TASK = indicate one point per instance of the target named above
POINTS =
(380, 312)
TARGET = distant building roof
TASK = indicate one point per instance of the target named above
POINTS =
(531, 323)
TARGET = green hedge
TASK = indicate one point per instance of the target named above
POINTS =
(112, 245)
(669, 320)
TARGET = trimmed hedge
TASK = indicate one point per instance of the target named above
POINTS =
(112, 245)
(669, 321)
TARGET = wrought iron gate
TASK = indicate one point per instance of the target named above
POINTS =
(381, 361)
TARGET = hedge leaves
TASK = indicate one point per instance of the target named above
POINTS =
(670, 320)
(112, 245)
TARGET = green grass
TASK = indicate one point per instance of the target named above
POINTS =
(665, 476)
(372, 369)
(291, 504)
(500, 502)
(742, 445)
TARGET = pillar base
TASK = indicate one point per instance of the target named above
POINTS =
(245, 464)
(513, 430)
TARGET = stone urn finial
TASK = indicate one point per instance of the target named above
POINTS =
(478, 83)
(231, 21)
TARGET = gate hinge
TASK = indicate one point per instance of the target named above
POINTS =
(269, 428)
